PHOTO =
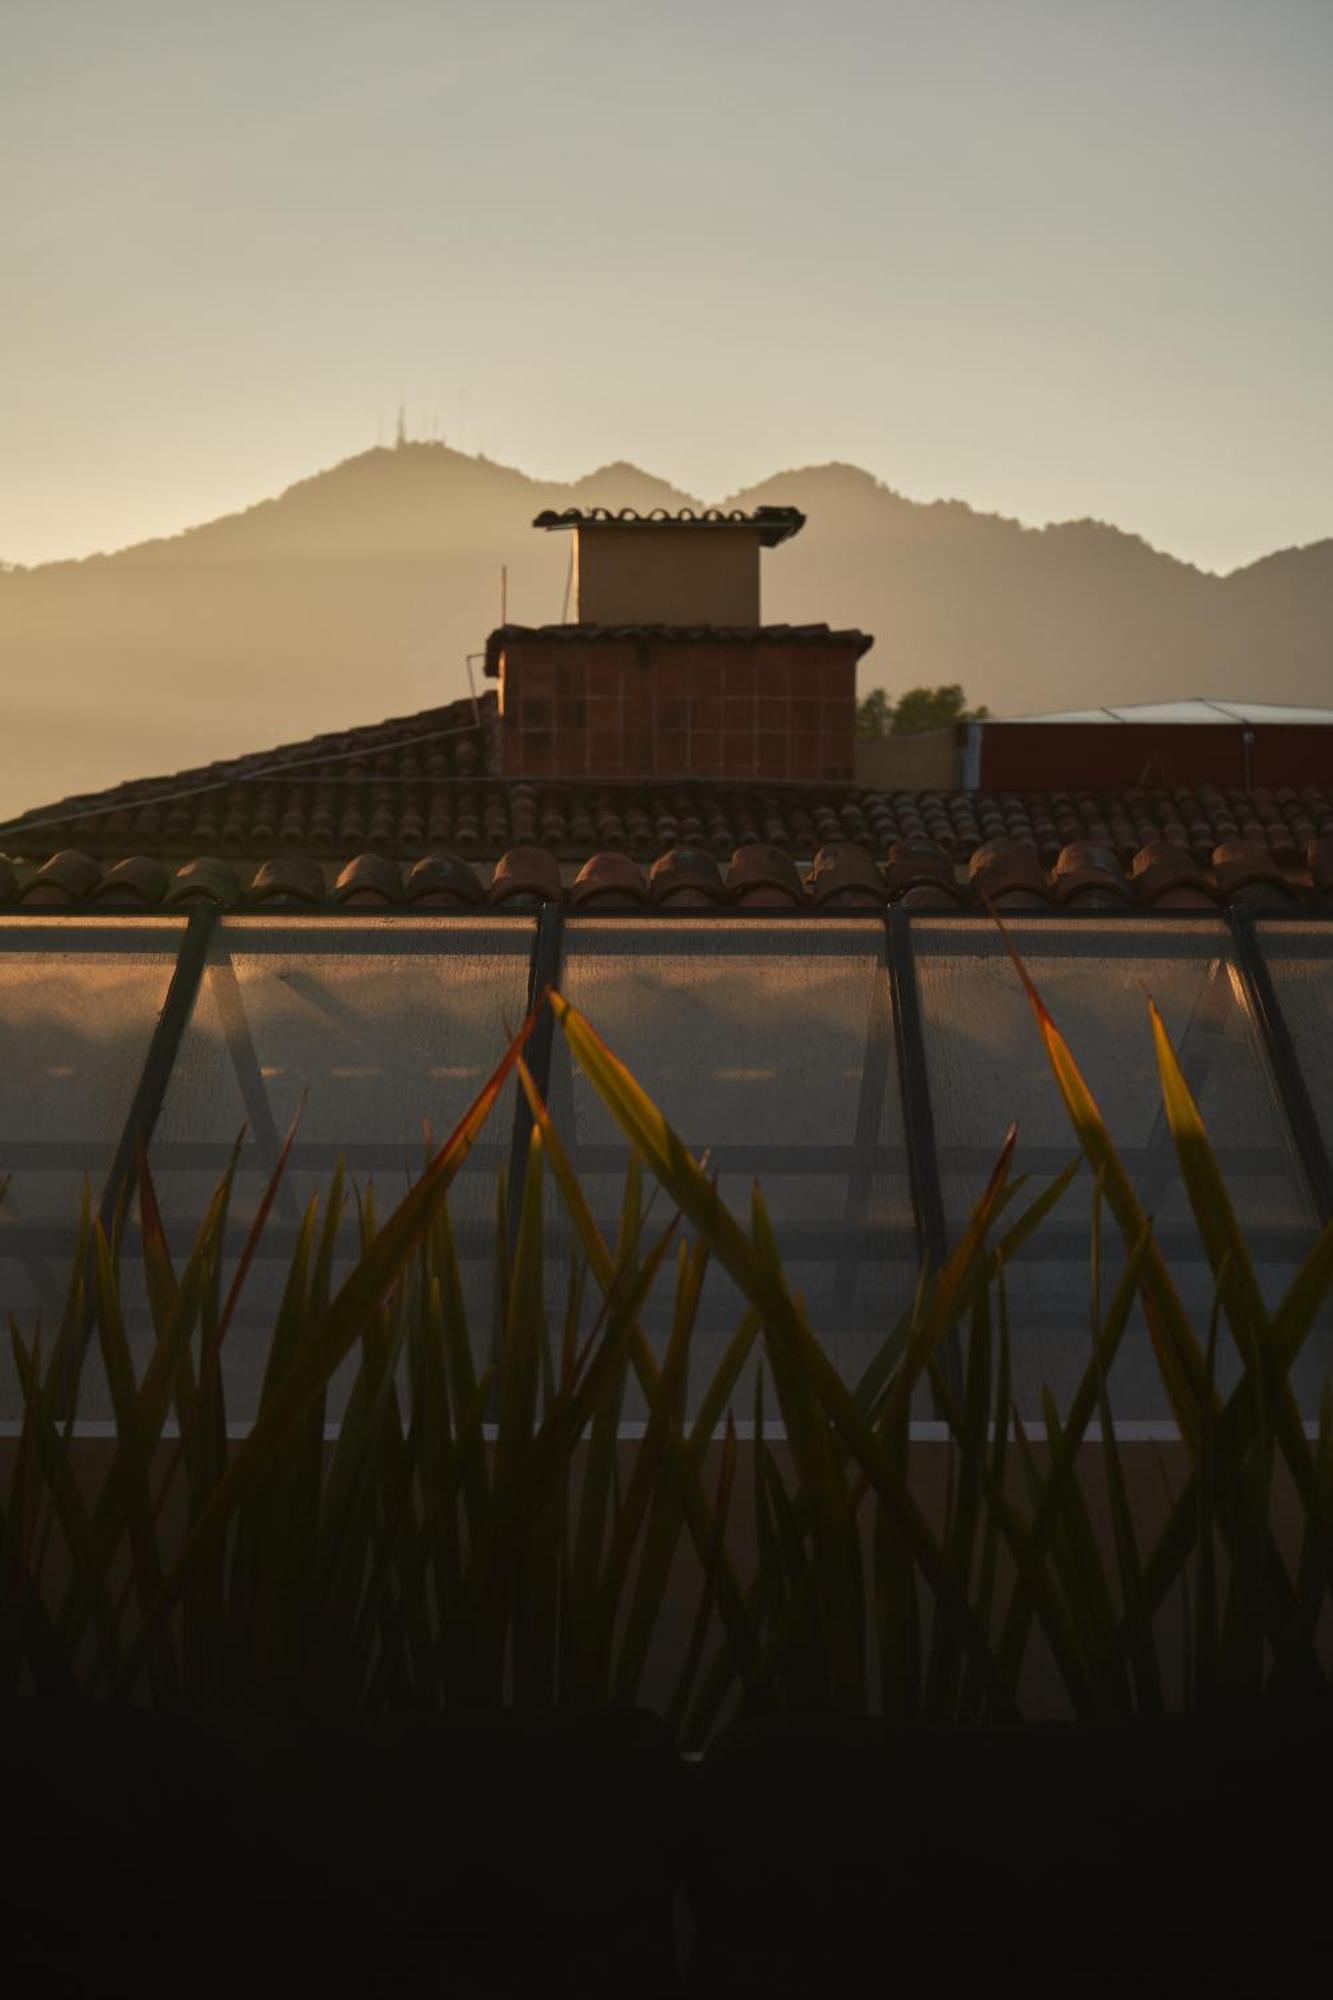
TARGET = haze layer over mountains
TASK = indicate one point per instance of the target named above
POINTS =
(358, 593)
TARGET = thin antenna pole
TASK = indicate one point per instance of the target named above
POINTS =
(504, 594)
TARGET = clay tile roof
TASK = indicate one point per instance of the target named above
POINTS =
(920, 870)
(429, 785)
(761, 876)
(369, 880)
(1162, 875)
(844, 876)
(205, 880)
(403, 793)
(444, 880)
(68, 877)
(1247, 873)
(289, 879)
(327, 795)
(1089, 873)
(137, 882)
(685, 876)
(1167, 876)
(1009, 873)
(609, 881)
(526, 874)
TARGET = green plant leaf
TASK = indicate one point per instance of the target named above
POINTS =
(684, 1180)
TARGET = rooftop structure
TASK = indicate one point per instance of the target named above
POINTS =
(628, 568)
(666, 670)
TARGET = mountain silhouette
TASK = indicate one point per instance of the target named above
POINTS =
(358, 594)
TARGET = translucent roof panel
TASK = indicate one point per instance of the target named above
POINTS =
(78, 1004)
(1195, 709)
(1272, 712)
(1194, 712)
(769, 1046)
(1065, 715)
(769, 1042)
(365, 1028)
(987, 1067)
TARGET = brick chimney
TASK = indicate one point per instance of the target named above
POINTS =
(666, 670)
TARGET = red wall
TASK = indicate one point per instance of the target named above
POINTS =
(651, 706)
(1042, 756)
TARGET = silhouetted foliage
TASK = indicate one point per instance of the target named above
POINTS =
(874, 716)
(921, 708)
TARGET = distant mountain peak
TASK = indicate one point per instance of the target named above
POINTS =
(621, 484)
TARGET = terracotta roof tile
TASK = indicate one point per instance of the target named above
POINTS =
(1088, 874)
(68, 877)
(763, 877)
(685, 877)
(324, 795)
(609, 882)
(443, 881)
(526, 875)
(426, 786)
(369, 881)
(1165, 875)
(291, 881)
(1008, 874)
(137, 882)
(844, 877)
(921, 865)
(1004, 873)
(205, 880)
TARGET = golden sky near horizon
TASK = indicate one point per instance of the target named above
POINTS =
(1057, 258)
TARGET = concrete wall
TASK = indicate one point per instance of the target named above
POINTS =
(705, 575)
(925, 763)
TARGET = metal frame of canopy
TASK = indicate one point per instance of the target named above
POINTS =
(895, 1033)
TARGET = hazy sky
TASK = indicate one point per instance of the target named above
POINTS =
(1053, 257)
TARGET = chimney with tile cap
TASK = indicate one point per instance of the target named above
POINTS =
(667, 670)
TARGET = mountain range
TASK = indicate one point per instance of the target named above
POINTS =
(358, 594)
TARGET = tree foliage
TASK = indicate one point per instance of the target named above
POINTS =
(920, 708)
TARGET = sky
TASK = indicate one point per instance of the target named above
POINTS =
(1056, 258)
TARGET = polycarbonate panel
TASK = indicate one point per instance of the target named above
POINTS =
(1199, 709)
(79, 1000)
(987, 1068)
(1192, 713)
(769, 1046)
(362, 1030)
(1276, 712)
(1300, 962)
